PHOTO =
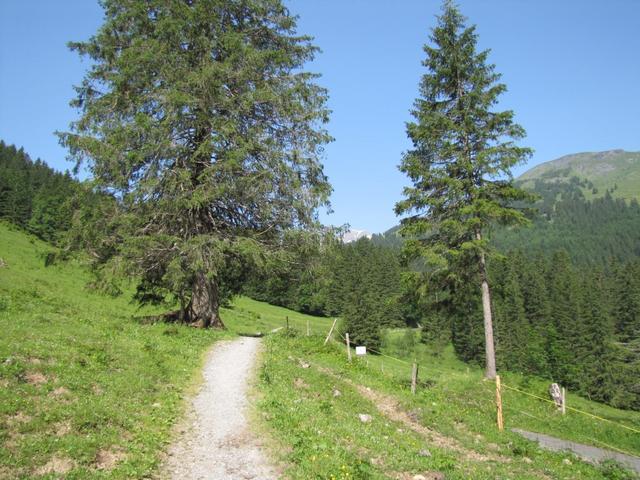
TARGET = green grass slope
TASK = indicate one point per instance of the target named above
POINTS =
(613, 169)
(85, 392)
(247, 316)
(447, 430)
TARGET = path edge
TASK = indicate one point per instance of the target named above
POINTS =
(186, 417)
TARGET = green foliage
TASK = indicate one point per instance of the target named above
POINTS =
(360, 323)
(568, 324)
(296, 276)
(79, 376)
(626, 301)
(463, 152)
(593, 232)
(365, 287)
(320, 275)
(612, 470)
(459, 165)
(199, 119)
(34, 196)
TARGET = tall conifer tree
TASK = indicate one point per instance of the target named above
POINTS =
(198, 118)
(563, 334)
(461, 160)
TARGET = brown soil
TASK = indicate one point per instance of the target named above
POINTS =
(108, 459)
(19, 417)
(36, 378)
(56, 465)
(59, 392)
(417, 476)
(61, 429)
(300, 383)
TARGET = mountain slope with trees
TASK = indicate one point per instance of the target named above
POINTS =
(592, 228)
(616, 171)
(593, 232)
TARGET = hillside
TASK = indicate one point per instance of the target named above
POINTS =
(86, 388)
(35, 196)
(335, 419)
(614, 170)
(69, 357)
(593, 231)
(587, 205)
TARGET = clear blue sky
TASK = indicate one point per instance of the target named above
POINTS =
(572, 69)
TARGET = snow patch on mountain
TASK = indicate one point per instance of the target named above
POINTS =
(354, 235)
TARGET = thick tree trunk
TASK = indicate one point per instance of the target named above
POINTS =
(203, 310)
(490, 354)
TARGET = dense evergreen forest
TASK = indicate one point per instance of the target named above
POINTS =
(593, 232)
(33, 195)
(578, 326)
(360, 281)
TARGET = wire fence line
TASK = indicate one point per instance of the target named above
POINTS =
(379, 353)
(522, 392)
(514, 389)
(577, 410)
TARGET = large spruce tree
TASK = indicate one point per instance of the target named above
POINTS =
(460, 162)
(198, 118)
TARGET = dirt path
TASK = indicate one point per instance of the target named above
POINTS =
(217, 443)
(390, 408)
(587, 452)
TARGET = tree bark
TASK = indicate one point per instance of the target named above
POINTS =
(490, 354)
(204, 307)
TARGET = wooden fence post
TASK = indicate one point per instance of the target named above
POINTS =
(414, 377)
(287, 317)
(348, 347)
(564, 401)
(308, 331)
(330, 331)
(499, 403)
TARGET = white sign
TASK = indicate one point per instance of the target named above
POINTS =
(361, 350)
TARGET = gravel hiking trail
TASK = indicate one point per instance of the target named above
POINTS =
(215, 440)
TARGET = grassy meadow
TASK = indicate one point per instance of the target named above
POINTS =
(247, 316)
(447, 430)
(86, 392)
(520, 411)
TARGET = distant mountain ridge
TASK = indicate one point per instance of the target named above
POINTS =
(617, 171)
(587, 205)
